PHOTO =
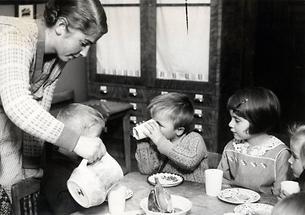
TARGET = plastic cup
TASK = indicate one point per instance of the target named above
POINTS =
(290, 187)
(213, 181)
(137, 131)
(116, 200)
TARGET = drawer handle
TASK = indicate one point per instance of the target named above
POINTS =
(133, 119)
(198, 113)
(198, 98)
(134, 106)
(198, 128)
(103, 89)
(133, 92)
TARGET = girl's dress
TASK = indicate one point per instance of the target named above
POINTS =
(259, 168)
(188, 158)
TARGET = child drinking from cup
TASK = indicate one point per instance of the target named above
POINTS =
(255, 159)
(172, 147)
(297, 159)
(55, 197)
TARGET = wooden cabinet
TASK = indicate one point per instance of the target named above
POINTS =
(137, 81)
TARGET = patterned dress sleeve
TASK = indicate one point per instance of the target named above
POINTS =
(282, 170)
(189, 152)
(224, 164)
(147, 158)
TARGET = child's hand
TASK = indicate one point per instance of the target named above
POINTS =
(153, 131)
(283, 194)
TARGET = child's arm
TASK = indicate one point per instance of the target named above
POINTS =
(187, 153)
(224, 163)
(282, 170)
(147, 158)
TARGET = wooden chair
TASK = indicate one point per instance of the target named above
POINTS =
(213, 159)
(25, 196)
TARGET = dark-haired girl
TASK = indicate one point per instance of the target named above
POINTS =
(255, 159)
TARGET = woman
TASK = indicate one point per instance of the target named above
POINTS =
(33, 54)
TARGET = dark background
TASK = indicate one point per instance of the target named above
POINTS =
(263, 45)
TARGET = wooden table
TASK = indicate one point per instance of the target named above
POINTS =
(195, 192)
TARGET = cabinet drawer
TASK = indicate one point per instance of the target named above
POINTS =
(117, 92)
(198, 99)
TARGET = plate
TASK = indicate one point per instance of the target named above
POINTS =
(238, 195)
(181, 205)
(253, 208)
(166, 179)
(133, 212)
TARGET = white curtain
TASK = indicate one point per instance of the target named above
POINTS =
(118, 51)
(183, 54)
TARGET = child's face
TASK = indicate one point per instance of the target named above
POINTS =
(239, 126)
(166, 125)
(295, 159)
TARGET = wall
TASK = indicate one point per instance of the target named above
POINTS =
(74, 77)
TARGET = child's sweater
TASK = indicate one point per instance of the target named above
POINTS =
(187, 158)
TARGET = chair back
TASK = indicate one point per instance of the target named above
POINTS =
(213, 159)
(25, 196)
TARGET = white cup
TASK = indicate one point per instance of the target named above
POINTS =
(116, 200)
(290, 187)
(89, 184)
(137, 131)
(213, 181)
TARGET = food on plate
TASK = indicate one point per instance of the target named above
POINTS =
(169, 178)
(253, 209)
(159, 200)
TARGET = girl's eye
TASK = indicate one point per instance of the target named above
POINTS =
(236, 120)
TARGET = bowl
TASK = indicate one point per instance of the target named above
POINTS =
(180, 204)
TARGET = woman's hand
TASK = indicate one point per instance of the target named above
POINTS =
(90, 148)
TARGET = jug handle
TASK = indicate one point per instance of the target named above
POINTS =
(83, 163)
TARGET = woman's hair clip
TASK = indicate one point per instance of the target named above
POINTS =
(243, 101)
